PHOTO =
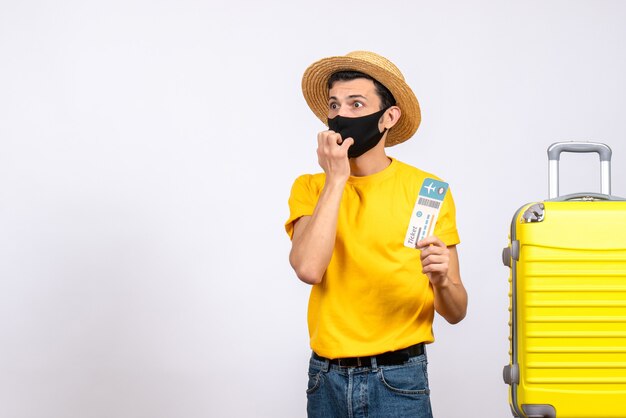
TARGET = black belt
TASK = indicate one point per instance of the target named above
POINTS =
(386, 359)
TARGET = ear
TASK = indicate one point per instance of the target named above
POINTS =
(390, 117)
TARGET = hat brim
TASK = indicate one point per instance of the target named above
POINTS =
(315, 90)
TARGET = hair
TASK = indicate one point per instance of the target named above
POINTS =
(386, 98)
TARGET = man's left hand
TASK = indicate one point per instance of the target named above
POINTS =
(435, 258)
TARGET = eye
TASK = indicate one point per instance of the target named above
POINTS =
(357, 104)
(333, 106)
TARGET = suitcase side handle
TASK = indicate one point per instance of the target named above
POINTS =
(554, 155)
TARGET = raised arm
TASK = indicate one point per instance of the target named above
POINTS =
(313, 238)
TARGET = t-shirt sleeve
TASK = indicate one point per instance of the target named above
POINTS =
(446, 229)
(302, 201)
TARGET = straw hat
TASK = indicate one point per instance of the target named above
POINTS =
(315, 90)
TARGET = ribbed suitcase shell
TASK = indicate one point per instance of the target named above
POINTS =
(568, 310)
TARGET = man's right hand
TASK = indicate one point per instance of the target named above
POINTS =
(332, 155)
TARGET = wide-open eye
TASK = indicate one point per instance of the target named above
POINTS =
(357, 104)
(333, 106)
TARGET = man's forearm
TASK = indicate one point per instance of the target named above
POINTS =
(451, 301)
(314, 241)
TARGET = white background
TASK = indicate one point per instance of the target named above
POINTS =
(147, 150)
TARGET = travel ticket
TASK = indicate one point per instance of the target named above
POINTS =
(424, 216)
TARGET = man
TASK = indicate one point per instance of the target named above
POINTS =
(373, 298)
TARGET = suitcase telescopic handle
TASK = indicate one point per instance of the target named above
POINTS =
(554, 155)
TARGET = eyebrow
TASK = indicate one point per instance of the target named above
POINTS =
(352, 96)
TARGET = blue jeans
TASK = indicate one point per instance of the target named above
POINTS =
(397, 391)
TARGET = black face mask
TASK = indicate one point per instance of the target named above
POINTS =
(364, 131)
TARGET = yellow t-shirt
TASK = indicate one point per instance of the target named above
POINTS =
(373, 297)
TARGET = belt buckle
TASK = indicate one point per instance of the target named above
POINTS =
(351, 362)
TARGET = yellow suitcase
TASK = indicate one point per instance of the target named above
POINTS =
(567, 259)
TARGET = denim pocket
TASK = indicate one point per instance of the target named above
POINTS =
(408, 379)
(316, 377)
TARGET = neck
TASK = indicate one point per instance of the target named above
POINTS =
(372, 162)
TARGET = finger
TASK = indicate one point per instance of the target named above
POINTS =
(435, 260)
(320, 140)
(325, 142)
(336, 139)
(431, 267)
(331, 138)
(433, 250)
(323, 136)
(432, 240)
(347, 143)
(435, 269)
